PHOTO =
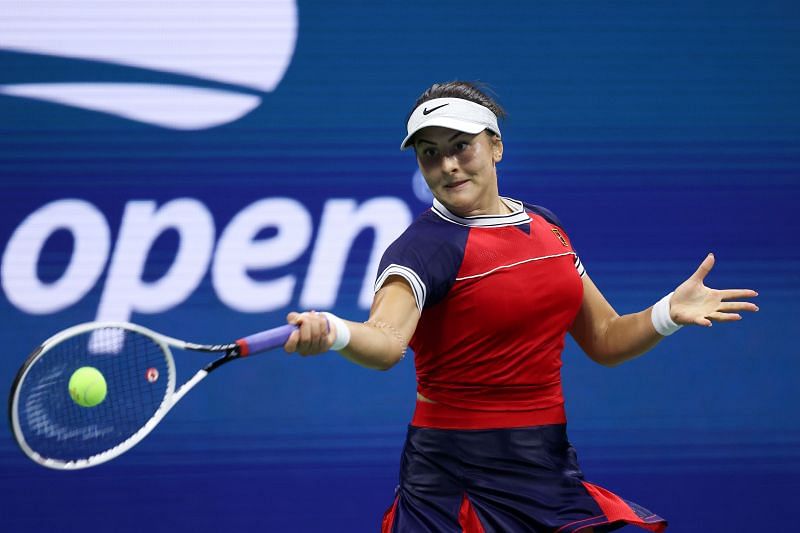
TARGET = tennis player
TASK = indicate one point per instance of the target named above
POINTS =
(484, 289)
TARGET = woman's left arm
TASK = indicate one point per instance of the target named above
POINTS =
(611, 339)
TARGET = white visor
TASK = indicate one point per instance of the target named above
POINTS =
(454, 113)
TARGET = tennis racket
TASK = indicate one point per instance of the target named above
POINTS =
(137, 364)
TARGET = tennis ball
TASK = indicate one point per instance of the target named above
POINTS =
(87, 386)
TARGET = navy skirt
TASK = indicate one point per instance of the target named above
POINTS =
(502, 480)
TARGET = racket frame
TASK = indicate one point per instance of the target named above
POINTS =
(171, 397)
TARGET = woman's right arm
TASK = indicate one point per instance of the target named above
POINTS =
(378, 343)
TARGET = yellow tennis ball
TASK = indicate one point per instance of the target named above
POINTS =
(87, 386)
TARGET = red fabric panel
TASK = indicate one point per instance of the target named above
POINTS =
(388, 518)
(616, 509)
(438, 415)
(470, 349)
(468, 518)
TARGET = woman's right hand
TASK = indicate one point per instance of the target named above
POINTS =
(313, 336)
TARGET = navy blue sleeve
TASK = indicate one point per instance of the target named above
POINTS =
(428, 256)
(545, 214)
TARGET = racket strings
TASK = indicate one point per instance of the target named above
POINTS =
(137, 375)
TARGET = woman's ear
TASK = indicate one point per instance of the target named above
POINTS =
(497, 149)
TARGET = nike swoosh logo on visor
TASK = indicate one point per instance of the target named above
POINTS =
(427, 111)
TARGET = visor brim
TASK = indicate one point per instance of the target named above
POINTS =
(445, 122)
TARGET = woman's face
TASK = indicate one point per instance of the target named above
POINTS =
(460, 168)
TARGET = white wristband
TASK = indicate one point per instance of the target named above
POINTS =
(660, 316)
(341, 329)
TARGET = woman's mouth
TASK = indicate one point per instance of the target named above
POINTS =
(455, 184)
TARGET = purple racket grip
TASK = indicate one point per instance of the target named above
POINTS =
(265, 340)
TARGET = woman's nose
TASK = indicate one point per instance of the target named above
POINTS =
(450, 163)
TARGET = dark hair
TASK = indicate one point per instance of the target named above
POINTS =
(466, 90)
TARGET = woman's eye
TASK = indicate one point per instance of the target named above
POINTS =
(429, 152)
(461, 145)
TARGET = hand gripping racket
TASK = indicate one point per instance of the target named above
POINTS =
(139, 372)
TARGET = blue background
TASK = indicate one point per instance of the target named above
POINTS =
(657, 131)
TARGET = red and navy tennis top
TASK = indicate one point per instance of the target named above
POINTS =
(497, 295)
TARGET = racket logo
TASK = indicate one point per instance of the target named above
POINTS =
(151, 375)
(208, 92)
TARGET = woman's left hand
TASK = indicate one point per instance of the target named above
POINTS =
(694, 303)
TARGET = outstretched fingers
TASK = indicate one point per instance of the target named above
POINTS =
(704, 268)
(724, 317)
(734, 307)
(732, 294)
(729, 311)
(695, 303)
(703, 321)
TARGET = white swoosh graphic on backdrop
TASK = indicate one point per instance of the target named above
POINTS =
(247, 43)
(169, 106)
